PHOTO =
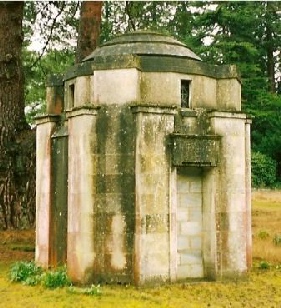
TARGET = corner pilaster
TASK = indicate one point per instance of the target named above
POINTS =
(45, 126)
(153, 188)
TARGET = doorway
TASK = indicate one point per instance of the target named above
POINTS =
(189, 223)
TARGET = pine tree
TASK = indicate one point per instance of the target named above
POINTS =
(17, 170)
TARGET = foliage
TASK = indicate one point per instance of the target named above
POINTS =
(245, 33)
(263, 170)
(263, 235)
(25, 272)
(123, 16)
(54, 62)
(30, 274)
(50, 25)
(266, 126)
(50, 30)
(264, 265)
(55, 279)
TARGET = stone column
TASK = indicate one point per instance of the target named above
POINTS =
(81, 192)
(45, 127)
(231, 207)
(153, 208)
(248, 191)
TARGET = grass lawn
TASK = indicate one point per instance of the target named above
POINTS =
(262, 287)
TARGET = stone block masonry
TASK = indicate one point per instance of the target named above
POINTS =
(143, 167)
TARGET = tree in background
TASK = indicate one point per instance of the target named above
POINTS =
(53, 62)
(89, 29)
(243, 33)
(17, 147)
(51, 28)
(247, 34)
(17, 139)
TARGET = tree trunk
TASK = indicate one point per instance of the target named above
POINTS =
(89, 29)
(17, 142)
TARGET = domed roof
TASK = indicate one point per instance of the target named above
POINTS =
(143, 43)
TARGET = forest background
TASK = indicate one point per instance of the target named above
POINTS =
(244, 33)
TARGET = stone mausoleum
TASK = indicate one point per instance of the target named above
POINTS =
(143, 167)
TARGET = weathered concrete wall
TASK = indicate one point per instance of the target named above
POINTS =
(138, 209)
(45, 128)
(54, 95)
(78, 92)
(160, 88)
(116, 86)
(115, 194)
(203, 92)
(231, 207)
(82, 91)
(202, 89)
(81, 252)
(152, 172)
(228, 94)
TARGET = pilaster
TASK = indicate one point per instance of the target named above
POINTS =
(153, 188)
(81, 192)
(45, 127)
(231, 210)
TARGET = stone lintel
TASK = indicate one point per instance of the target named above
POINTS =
(82, 110)
(156, 109)
(42, 119)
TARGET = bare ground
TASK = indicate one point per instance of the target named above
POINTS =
(17, 245)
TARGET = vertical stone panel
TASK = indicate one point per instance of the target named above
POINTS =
(82, 91)
(81, 194)
(114, 210)
(54, 95)
(152, 238)
(229, 94)
(203, 92)
(107, 83)
(231, 214)
(45, 128)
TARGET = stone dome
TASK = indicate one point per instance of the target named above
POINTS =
(143, 43)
